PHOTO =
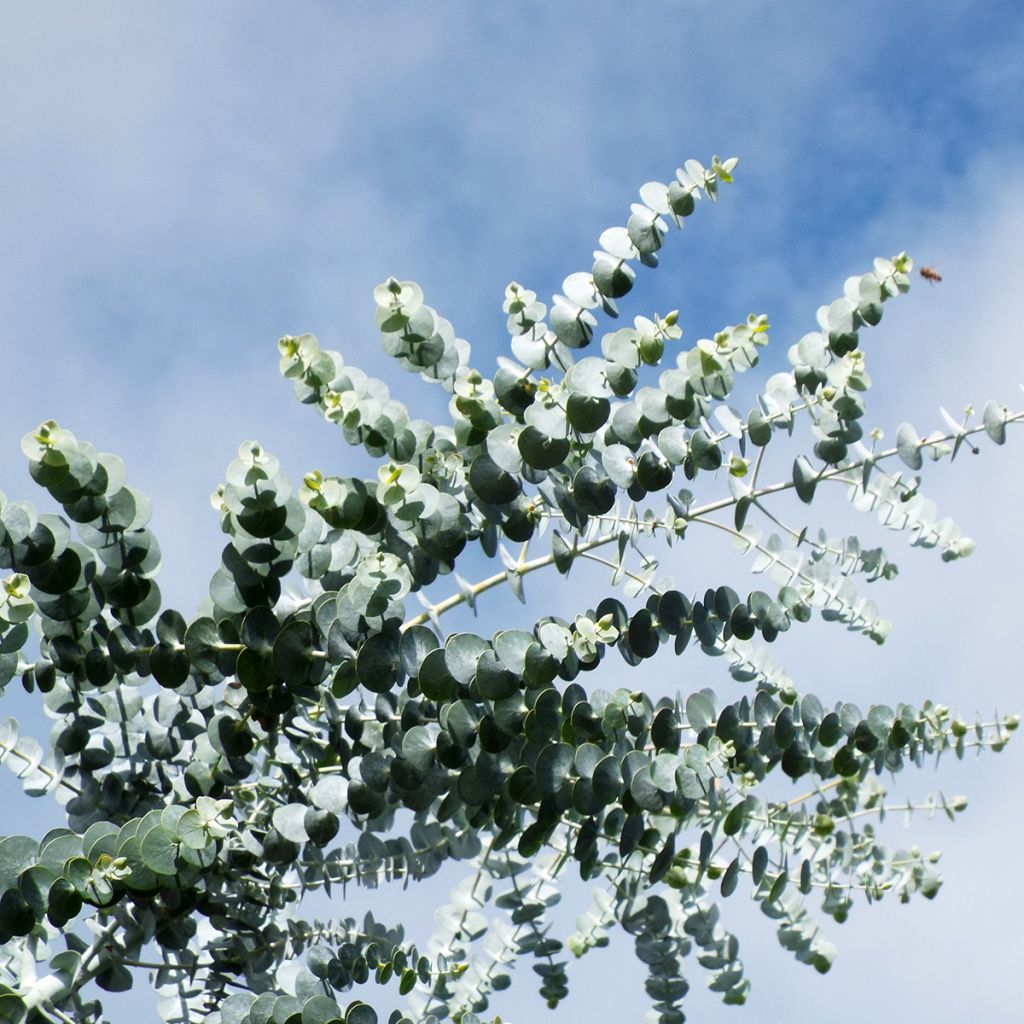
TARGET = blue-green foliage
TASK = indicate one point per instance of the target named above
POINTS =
(287, 744)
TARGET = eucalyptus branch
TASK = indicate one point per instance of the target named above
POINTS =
(55, 777)
(854, 618)
(83, 973)
(644, 583)
(206, 807)
(756, 472)
(496, 580)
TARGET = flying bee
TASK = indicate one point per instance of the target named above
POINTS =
(931, 274)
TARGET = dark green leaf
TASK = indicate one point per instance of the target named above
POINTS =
(730, 878)
(377, 662)
(846, 762)
(553, 767)
(360, 1013)
(805, 480)
(540, 451)
(201, 641)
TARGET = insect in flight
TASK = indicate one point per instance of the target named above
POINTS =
(931, 274)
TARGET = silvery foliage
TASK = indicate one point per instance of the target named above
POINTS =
(215, 771)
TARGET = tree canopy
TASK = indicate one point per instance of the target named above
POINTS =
(216, 770)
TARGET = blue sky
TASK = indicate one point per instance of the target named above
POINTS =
(182, 184)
